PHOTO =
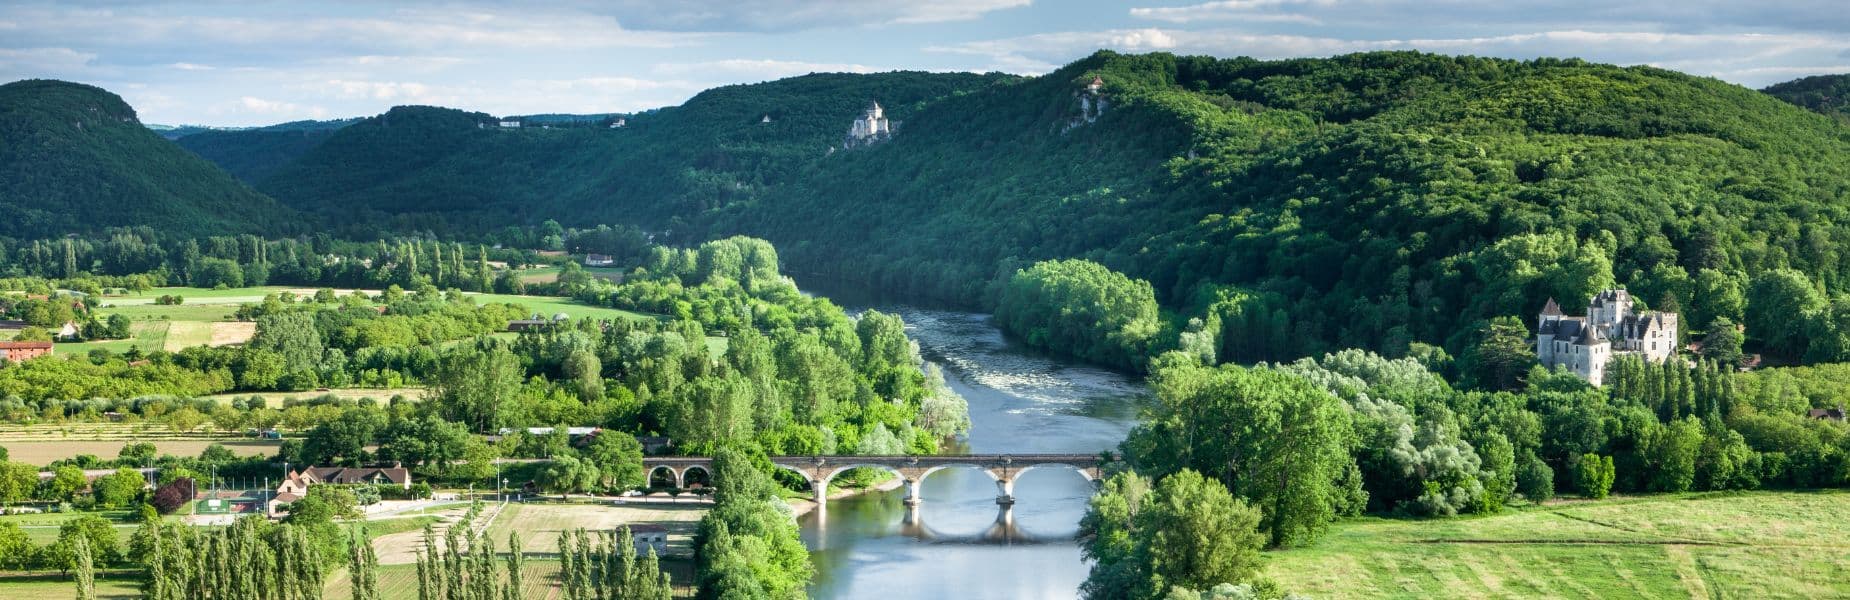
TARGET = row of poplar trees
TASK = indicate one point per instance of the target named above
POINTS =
(591, 567)
(250, 560)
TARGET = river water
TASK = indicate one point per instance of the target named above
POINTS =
(960, 543)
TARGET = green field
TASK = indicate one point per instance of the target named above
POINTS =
(1745, 545)
(548, 306)
(40, 586)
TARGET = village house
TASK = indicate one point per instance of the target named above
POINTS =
(649, 536)
(23, 351)
(296, 483)
(1585, 345)
(69, 332)
(600, 260)
(1827, 414)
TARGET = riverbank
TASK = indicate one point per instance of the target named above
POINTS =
(801, 507)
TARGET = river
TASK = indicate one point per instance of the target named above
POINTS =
(961, 544)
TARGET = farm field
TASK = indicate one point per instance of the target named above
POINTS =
(1722, 545)
(54, 587)
(276, 399)
(547, 306)
(541, 578)
(539, 524)
(42, 453)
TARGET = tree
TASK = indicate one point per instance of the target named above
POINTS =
(1081, 308)
(567, 474)
(65, 481)
(1502, 355)
(1593, 475)
(618, 458)
(1722, 343)
(85, 567)
(119, 327)
(363, 570)
(473, 384)
(1778, 303)
(1189, 533)
(95, 532)
(292, 335)
(16, 551)
(17, 482)
(173, 495)
(118, 489)
(1274, 439)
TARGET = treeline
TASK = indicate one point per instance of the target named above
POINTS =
(1303, 444)
(747, 544)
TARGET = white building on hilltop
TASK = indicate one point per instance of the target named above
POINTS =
(1584, 345)
(872, 127)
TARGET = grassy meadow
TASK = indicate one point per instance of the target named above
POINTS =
(1720, 545)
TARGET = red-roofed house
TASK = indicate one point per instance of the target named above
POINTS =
(22, 351)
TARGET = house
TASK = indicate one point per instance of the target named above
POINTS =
(520, 325)
(764, 119)
(649, 536)
(599, 260)
(619, 123)
(296, 483)
(510, 123)
(68, 333)
(23, 351)
(872, 128)
(1584, 345)
(655, 444)
(1828, 414)
(1097, 84)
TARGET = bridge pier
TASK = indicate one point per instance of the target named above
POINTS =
(912, 492)
(1005, 487)
(820, 489)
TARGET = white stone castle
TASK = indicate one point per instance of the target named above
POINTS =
(1584, 345)
(871, 128)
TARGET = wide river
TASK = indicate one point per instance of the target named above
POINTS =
(961, 544)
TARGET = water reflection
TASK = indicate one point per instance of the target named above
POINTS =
(960, 543)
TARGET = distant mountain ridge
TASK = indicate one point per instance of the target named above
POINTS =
(74, 158)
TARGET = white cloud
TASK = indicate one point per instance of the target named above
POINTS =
(17, 61)
(1738, 57)
(1251, 11)
(745, 69)
(796, 15)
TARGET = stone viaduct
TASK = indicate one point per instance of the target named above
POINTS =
(820, 470)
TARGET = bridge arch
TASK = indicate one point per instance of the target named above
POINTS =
(973, 466)
(673, 476)
(1090, 474)
(688, 476)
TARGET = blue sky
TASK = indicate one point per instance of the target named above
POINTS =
(247, 63)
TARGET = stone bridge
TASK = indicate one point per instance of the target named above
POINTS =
(820, 470)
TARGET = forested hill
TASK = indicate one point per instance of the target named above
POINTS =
(1827, 94)
(73, 158)
(253, 154)
(446, 170)
(1367, 200)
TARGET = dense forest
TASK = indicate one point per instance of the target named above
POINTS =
(74, 159)
(1827, 94)
(1387, 199)
(253, 154)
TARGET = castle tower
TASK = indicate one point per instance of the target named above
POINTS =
(1545, 332)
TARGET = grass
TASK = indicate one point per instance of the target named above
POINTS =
(1737, 545)
(44, 452)
(540, 523)
(275, 399)
(42, 586)
(548, 306)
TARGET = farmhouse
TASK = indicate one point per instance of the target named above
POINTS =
(649, 536)
(599, 260)
(22, 351)
(1827, 414)
(295, 485)
(520, 325)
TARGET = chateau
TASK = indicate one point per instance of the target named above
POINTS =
(1583, 345)
(871, 128)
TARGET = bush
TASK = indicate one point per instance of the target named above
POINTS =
(175, 494)
(1593, 475)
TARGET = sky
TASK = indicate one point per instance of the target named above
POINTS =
(242, 63)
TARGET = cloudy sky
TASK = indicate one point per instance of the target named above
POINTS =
(248, 62)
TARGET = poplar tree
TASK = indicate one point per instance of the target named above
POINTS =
(516, 559)
(85, 571)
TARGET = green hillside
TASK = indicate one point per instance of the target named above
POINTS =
(1367, 200)
(253, 154)
(442, 169)
(73, 158)
(1382, 198)
(1826, 94)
